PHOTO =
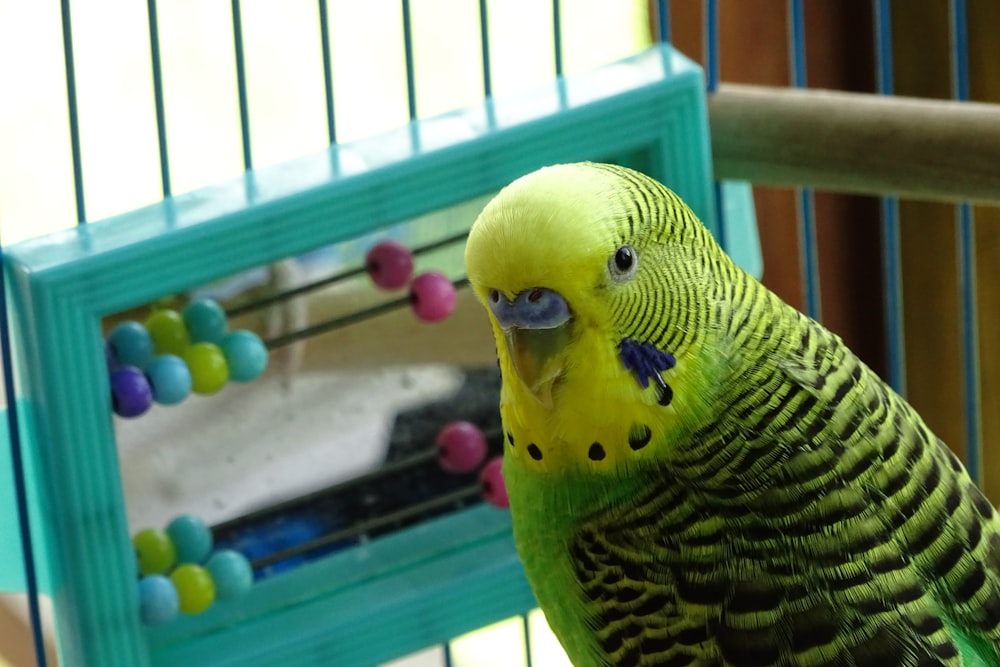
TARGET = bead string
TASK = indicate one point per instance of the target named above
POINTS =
(358, 529)
(344, 320)
(384, 470)
(330, 280)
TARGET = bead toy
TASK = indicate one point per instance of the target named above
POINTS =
(461, 447)
(191, 537)
(155, 551)
(494, 489)
(170, 379)
(245, 354)
(169, 334)
(432, 296)
(195, 588)
(205, 321)
(131, 344)
(131, 394)
(231, 572)
(209, 370)
(389, 264)
(158, 600)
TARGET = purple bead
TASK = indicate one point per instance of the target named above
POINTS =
(461, 447)
(432, 296)
(389, 264)
(494, 488)
(131, 394)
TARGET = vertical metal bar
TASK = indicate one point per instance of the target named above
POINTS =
(324, 38)
(557, 36)
(241, 84)
(527, 640)
(74, 116)
(161, 123)
(447, 655)
(18, 465)
(967, 260)
(484, 41)
(663, 20)
(712, 45)
(892, 276)
(713, 69)
(411, 88)
(807, 221)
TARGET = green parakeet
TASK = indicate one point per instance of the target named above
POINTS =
(698, 473)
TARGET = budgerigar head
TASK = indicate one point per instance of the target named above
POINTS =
(604, 295)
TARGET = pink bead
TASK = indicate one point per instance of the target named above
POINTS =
(432, 296)
(390, 264)
(461, 447)
(494, 489)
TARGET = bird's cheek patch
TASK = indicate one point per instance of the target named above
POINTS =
(646, 362)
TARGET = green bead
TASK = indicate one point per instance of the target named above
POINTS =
(195, 588)
(155, 551)
(170, 335)
(209, 370)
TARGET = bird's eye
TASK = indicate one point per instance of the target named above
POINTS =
(623, 264)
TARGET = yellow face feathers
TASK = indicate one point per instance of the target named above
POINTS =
(595, 278)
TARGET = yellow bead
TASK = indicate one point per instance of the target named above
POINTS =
(169, 334)
(195, 588)
(209, 370)
(155, 551)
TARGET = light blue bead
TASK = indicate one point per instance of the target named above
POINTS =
(205, 321)
(170, 378)
(191, 537)
(245, 354)
(131, 344)
(158, 600)
(231, 574)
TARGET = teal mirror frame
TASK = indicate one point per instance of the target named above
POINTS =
(396, 594)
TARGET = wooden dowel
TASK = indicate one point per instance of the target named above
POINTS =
(857, 142)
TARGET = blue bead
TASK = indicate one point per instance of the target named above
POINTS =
(131, 394)
(245, 354)
(205, 321)
(158, 600)
(170, 378)
(191, 537)
(231, 573)
(131, 344)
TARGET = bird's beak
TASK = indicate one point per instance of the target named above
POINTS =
(538, 357)
(536, 326)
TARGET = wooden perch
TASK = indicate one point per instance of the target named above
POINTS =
(856, 142)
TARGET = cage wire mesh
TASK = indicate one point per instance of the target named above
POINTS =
(124, 105)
